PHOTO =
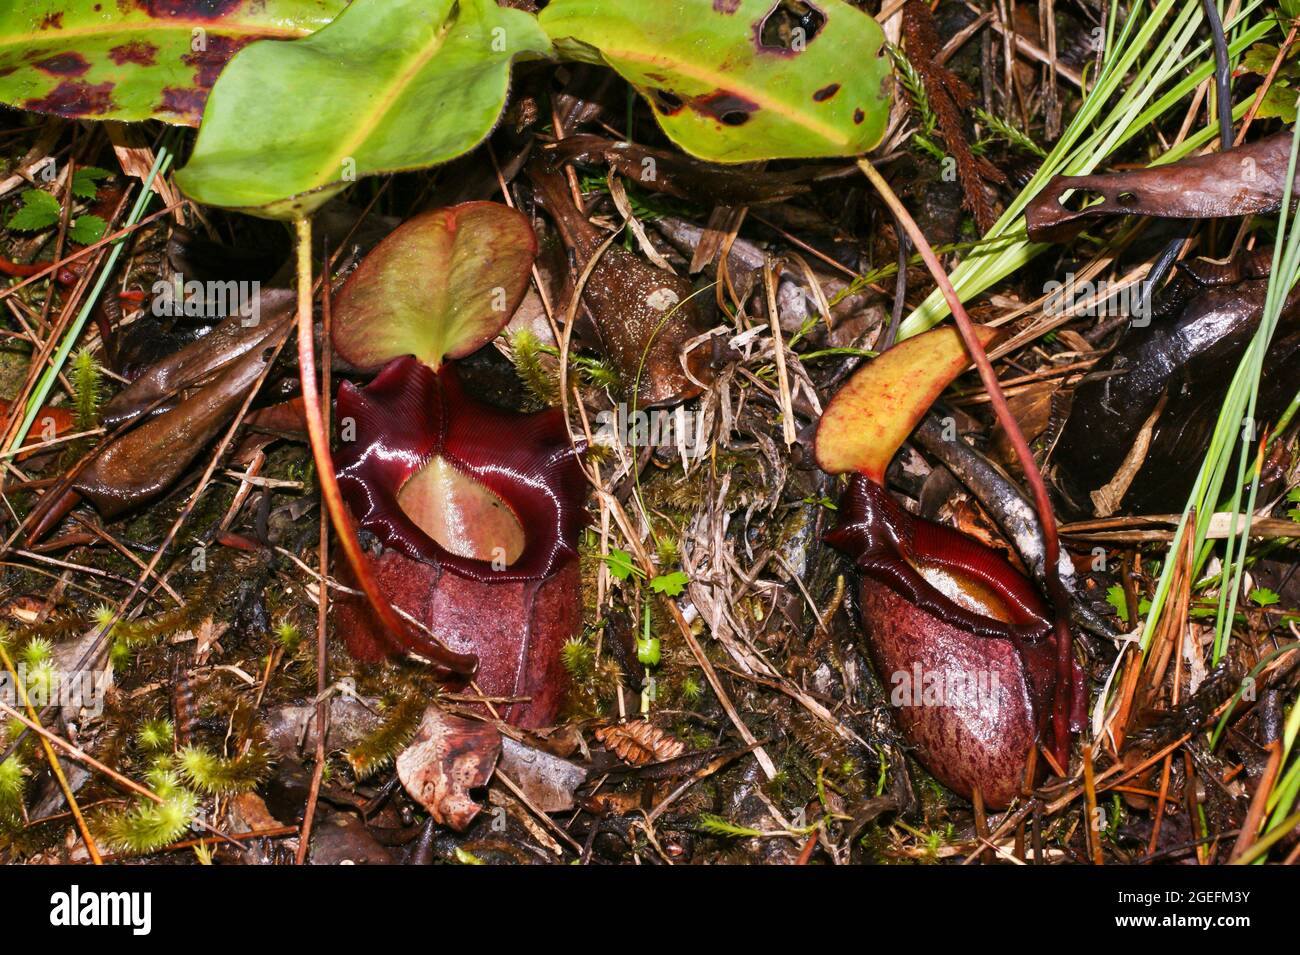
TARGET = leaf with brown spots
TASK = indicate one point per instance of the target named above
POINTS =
(741, 80)
(639, 742)
(135, 59)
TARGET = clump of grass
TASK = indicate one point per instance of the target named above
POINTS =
(36, 652)
(145, 826)
(156, 735)
(288, 636)
(579, 659)
(148, 826)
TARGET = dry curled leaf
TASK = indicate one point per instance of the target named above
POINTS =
(640, 742)
(448, 759)
(1243, 181)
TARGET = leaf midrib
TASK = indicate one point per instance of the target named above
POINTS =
(240, 27)
(391, 93)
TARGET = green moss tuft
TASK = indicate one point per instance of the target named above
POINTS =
(219, 775)
(381, 747)
(88, 388)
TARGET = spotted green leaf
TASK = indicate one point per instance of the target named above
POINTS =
(389, 85)
(135, 59)
(740, 80)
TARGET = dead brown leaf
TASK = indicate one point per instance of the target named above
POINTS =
(640, 742)
(449, 757)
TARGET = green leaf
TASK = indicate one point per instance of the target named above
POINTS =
(648, 651)
(40, 211)
(389, 85)
(87, 229)
(440, 286)
(1263, 597)
(112, 59)
(1279, 102)
(84, 181)
(671, 584)
(1115, 597)
(1259, 58)
(620, 564)
(741, 80)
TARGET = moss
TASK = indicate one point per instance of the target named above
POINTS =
(377, 750)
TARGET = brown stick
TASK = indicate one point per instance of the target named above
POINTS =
(450, 662)
(322, 601)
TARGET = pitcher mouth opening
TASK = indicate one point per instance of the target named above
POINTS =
(441, 477)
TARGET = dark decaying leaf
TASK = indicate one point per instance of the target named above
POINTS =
(1181, 365)
(547, 780)
(644, 316)
(146, 460)
(449, 758)
(135, 59)
(138, 464)
(340, 838)
(1242, 181)
(166, 382)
